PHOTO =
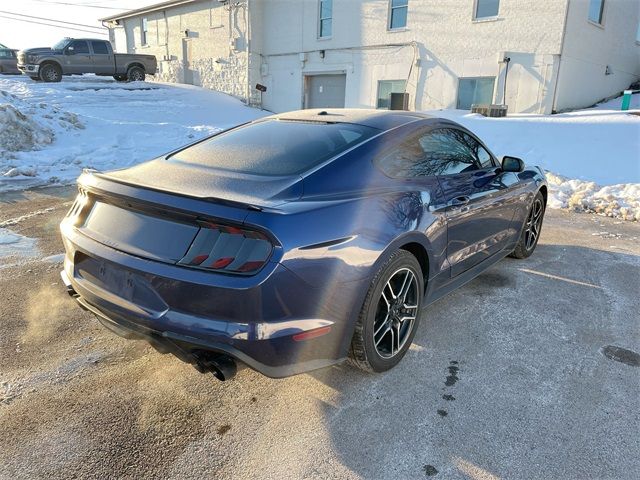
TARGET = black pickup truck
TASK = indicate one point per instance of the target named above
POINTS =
(84, 55)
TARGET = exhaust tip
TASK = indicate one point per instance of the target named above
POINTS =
(222, 367)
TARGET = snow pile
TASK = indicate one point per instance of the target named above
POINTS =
(592, 156)
(19, 132)
(621, 201)
(15, 245)
(58, 129)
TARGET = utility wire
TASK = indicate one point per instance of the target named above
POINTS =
(79, 5)
(52, 25)
(52, 20)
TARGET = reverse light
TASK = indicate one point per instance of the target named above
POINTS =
(228, 249)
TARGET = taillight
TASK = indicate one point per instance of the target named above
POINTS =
(226, 248)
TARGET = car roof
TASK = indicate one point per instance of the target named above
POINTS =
(381, 119)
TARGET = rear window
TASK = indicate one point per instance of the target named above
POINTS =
(275, 147)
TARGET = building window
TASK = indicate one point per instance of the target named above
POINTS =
(143, 31)
(596, 9)
(386, 88)
(325, 18)
(475, 91)
(398, 13)
(486, 9)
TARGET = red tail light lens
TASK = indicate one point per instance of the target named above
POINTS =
(228, 249)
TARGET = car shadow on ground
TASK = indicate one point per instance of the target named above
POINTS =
(505, 378)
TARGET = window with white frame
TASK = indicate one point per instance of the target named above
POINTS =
(596, 9)
(398, 10)
(486, 9)
(325, 18)
(478, 90)
(143, 31)
(386, 88)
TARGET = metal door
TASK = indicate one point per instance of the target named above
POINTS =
(78, 58)
(103, 60)
(325, 91)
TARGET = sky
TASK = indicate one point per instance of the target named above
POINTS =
(28, 23)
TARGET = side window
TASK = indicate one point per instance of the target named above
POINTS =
(450, 151)
(100, 48)
(80, 46)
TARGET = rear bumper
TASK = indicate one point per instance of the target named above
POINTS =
(254, 321)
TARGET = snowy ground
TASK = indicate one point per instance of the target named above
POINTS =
(49, 132)
(592, 156)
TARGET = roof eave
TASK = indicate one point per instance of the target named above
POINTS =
(148, 9)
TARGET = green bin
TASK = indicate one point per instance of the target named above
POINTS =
(626, 100)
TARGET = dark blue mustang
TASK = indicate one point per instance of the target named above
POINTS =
(299, 240)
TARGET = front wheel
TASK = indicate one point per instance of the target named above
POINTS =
(135, 74)
(50, 73)
(532, 228)
(390, 314)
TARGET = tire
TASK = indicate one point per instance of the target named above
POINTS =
(531, 229)
(50, 72)
(120, 78)
(380, 322)
(135, 74)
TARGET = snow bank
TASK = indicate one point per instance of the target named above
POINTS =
(14, 245)
(50, 132)
(592, 156)
(621, 201)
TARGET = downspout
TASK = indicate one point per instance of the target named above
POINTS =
(564, 32)
(166, 34)
(247, 50)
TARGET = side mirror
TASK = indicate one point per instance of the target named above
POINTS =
(70, 51)
(512, 164)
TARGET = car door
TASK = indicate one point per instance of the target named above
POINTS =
(480, 199)
(77, 58)
(102, 57)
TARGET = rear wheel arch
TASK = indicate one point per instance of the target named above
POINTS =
(544, 192)
(420, 252)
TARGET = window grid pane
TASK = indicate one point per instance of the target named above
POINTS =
(386, 88)
(326, 15)
(474, 91)
(487, 8)
(596, 7)
(399, 9)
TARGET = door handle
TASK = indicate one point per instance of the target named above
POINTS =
(459, 201)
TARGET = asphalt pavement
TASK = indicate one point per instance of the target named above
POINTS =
(519, 374)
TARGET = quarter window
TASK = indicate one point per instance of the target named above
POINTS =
(100, 48)
(474, 91)
(486, 8)
(326, 18)
(398, 14)
(386, 88)
(596, 9)
(143, 31)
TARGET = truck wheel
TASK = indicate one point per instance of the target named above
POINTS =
(50, 72)
(120, 78)
(135, 74)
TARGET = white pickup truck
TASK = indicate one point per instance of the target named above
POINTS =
(84, 55)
